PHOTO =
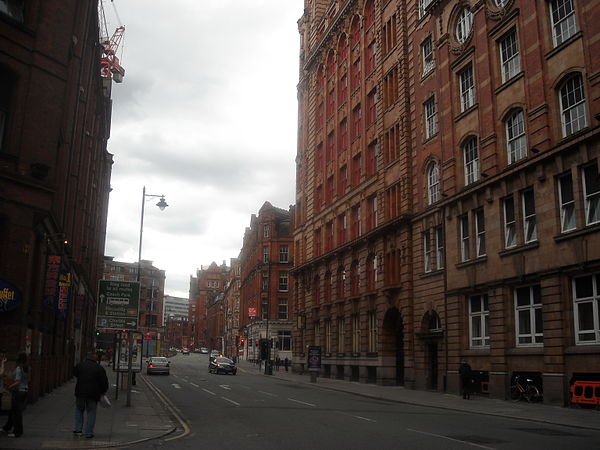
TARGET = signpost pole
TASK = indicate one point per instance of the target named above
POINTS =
(116, 356)
(129, 366)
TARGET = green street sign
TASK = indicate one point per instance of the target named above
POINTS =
(118, 305)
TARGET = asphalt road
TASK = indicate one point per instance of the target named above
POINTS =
(254, 411)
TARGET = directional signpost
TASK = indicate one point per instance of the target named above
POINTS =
(118, 305)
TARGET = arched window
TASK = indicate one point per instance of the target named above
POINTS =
(433, 183)
(464, 24)
(572, 105)
(471, 158)
(516, 143)
(370, 13)
(355, 32)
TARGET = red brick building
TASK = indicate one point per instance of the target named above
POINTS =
(233, 343)
(265, 282)
(448, 154)
(55, 173)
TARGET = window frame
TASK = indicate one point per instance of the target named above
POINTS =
(427, 55)
(470, 150)
(283, 283)
(466, 83)
(439, 246)
(464, 25)
(529, 216)
(594, 299)
(510, 57)
(433, 183)
(570, 123)
(516, 139)
(430, 115)
(591, 200)
(465, 238)
(567, 207)
(427, 252)
(510, 223)
(480, 243)
(533, 307)
(284, 253)
(482, 316)
(561, 34)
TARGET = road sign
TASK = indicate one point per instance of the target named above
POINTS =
(118, 305)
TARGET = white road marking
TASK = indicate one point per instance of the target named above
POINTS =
(298, 401)
(225, 386)
(194, 384)
(230, 401)
(176, 386)
(364, 418)
(451, 439)
(209, 392)
(268, 393)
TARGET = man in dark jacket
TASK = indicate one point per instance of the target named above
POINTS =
(466, 378)
(92, 383)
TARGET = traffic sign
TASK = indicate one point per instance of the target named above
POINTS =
(118, 305)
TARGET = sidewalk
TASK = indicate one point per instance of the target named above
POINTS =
(48, 423)
(533, 412)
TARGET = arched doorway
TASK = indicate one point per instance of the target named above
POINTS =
(393, 342)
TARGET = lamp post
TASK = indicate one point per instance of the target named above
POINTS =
(162, 204)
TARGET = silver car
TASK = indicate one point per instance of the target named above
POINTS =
(157, 364)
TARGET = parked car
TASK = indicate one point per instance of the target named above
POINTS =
(157, 364)
(185, 351)
(222, 365)
(214, 354)
(203, 350)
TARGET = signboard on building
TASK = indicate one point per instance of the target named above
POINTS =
(118, 305)
(10, 297)
(57, 286)
(314, 358)
(251, 312)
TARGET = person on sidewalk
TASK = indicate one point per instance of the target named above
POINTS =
(286, 363)
(92, 383)
(18, 386)
(466, 375)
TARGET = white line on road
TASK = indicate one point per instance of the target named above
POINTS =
(267, 393)
(450, 439)
(230, 401)
(225, 386)
(298, 401)
(194, 384)
(210, 392)
(176, 386)
(364, 418)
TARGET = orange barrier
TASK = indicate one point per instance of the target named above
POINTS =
(585, 392)
(485, 387)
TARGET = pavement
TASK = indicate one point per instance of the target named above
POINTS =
(48, 423)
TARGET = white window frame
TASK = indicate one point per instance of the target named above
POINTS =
(572, 105)
(562, 17)
(591, 199)
(284, 254)
(566, 200)
(283, 284)
(464, 25)
(433, 183)
(265, 254)
(529, 315)
(582, 335)
(471, 159)
(427, 252)
(510, 60)
(423, 4)
(439, 246)
(282, 308)
(427, 54)
(480, 233)
(516, 142)
(479, 336)
(510, 223)
(266, 230)
(529, 216)
(465, 239)
(501, 3)
(467, 88)
(431, 122)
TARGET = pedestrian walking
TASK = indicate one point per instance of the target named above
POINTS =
(277, 363)
(2, 367)
(92, 383)
(286, 363)
(466, 380)
(18, 387)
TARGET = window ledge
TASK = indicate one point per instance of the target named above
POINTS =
(432, 273)
(562, 46)
(583, 349)
(485, 351)
(471, 262)
(466, 112)
(523, 350)
(594, 228)
(519, 249)
(509, 82)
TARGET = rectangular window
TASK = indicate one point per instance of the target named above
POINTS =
(356, 169)
(284, 254)
(372, 212)
(330, 147)
(264, 308)
(343, 136)
(586, 299)
(342, 180)
(572, 106)
(343, 89)
(464, 238)
(370, 57)
(389, 35)
(480, 230)
(479, 318)
(329, 236)
(427, 252)
(372, 107)
(355, 333)
(284, 338)
(371, 159)
(390, 88)
(567, 203)
(356, 122)
(266, 230)
(265, 254)
(265, 281)
(356, 225)
(509, 56)
(355, 75)
(327, 336)
(372, 331)
(510, 223)
(562, 15)
(431, 123)
(283, 281)
(340, 334)
(439, 244)
(282, 309)
(341, 229)
(423, 4)
(591, 193)
(529, 218)
(529, 325)
(320, 119)
(515, 137)
(427, 54)
(13, 9)
(467, 88)
(329, 190)
(318, 242)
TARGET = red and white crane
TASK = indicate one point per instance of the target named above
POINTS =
(110, 66)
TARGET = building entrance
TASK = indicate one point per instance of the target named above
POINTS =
(393, 341)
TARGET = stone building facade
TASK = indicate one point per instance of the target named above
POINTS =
(448, 199)
(55, 171)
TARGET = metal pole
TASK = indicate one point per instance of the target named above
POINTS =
(129, 366)
(141, 233)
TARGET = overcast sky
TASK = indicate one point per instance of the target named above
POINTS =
(207, 116)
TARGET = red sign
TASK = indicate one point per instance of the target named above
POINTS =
(251, 312)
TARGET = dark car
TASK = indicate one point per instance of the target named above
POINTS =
(222, 365)
(157, 364)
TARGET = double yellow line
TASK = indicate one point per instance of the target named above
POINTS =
(172, 409)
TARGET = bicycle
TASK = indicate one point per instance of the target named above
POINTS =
(524, 391)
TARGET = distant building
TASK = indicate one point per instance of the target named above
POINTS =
(177, 307)
(233, 341)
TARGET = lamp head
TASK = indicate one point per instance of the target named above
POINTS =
(162, 204)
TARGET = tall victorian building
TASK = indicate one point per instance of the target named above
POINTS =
(448, 196)
(55, 173)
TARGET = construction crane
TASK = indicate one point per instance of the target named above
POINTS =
(110, 67)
